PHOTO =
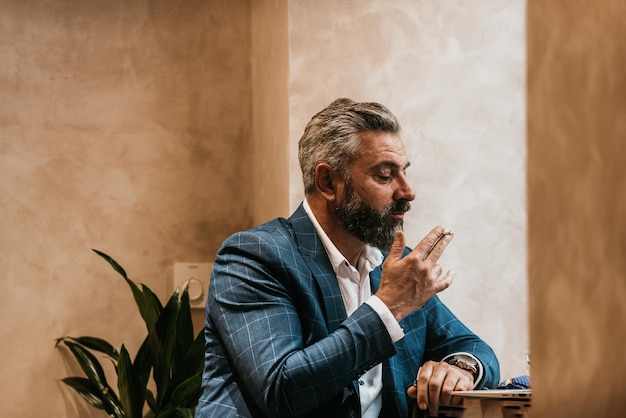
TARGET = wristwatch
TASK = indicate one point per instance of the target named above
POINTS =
(464, 362)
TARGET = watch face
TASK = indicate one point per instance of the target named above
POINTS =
(466, 360)
(466, 363)
(470, 361)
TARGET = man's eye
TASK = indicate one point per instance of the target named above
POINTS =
(384, 178)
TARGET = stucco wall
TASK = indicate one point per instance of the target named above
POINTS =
(269, 172)
(120, 126)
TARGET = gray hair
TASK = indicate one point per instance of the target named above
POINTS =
(333, 136)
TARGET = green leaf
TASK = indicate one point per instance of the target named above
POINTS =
(144, 360)
(184, 340)
(194, 359)
(185, 331)
(87, 389)
(189, 360)
(102, 399)
(188, 392)
(151, 401)
(149, 305)
(165, 339)
(132, 393)
(97, 344)
(114, 263)
(88, 362)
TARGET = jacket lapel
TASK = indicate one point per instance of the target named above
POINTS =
(375, 279)
(315, 257)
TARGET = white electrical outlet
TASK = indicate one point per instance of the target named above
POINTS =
(195, 277)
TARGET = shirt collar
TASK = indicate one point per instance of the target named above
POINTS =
(370, 257)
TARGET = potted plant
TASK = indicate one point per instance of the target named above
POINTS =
(170, 354)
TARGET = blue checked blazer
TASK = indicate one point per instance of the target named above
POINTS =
(279, 342)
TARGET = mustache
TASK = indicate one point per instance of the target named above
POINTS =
(401, 206)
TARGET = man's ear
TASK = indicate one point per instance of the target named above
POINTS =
(326, 181)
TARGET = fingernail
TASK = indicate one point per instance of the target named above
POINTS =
(423, 406)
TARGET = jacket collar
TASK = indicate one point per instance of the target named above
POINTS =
(315, 257)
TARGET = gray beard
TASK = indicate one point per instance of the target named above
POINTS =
(366, 223)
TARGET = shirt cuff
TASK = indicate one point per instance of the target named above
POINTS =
(479, 374)
(393, 327)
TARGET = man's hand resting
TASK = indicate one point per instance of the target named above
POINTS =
(435, 383)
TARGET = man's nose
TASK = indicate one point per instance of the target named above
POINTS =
(404, 191)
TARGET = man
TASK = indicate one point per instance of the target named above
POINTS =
(327, 313)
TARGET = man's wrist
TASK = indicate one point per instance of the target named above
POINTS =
(467, 362)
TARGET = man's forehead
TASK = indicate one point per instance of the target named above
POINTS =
(383, 149)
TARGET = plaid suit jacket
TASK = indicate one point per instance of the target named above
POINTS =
(279, 342)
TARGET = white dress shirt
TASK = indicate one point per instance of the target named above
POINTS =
(355, 288)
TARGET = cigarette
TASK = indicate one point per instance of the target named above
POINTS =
(432, 247)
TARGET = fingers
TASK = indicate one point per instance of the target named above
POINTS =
(449, 384)
(435, 388)
(441, 283)
(423, 382)
(444, 282)
(412, 391)
(407, 283)
(436, 270)
(435, 383)
(434, 243)
(397, 247)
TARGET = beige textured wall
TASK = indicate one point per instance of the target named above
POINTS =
(269, 174)
(124, 126)
(577, 206)
(454, 72)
